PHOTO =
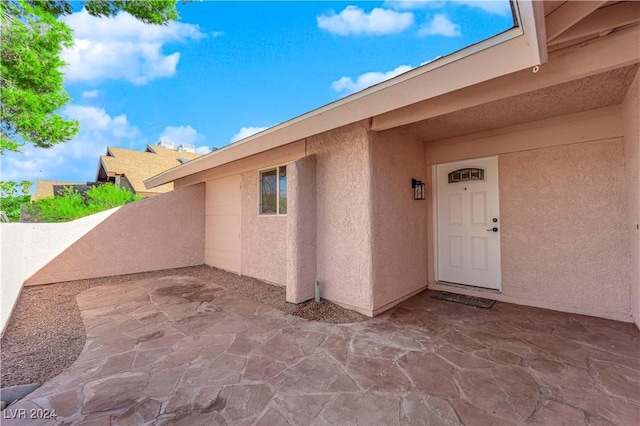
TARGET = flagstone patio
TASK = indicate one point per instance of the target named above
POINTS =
(180, 350)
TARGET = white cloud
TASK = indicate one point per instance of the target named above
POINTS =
(78, 158)
(495, 7)
(353, 20)
(184, 134)
(367, 79)
(245, 132)
(180, 134)
(440, 25)
(413, 4)
(96, 120)
(430, 60)
(90, 94)
(122, 48)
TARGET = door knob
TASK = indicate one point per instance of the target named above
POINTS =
(494, 229)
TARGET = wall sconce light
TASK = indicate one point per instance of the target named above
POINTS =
(418, 189)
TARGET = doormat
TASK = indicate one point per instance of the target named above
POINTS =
(478, 302)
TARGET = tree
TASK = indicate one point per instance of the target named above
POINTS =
(31, 82)
(10, 203)
(26, 186)
(8, 187)
(71, 205)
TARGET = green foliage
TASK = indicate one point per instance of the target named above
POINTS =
(30, 80)
(10, 203)
(26, 186)
(8, 188)
(11, 206)
(148, 11)
(31, 83)
(108, 196)
(71, 205)
(68, 206)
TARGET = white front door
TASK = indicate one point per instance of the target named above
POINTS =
(468, 223)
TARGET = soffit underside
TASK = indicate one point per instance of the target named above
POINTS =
(598, 91)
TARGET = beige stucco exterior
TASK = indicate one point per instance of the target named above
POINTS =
(333, 178)
(631, 120)
(166, 231)
(27, 247)
(563, 208)
(566, 136)
(223, 223)
(302, 230)
(264, 238)
(343, 194)
(565, 233)
(554, 255)
(399, 223)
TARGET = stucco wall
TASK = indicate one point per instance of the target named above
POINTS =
(564, 228)
(11, 267)
(27, 247)
(563, 209)
(264, 238)
(631, 122)
(343, 189)
(399, 222)
(222, 223)
(301, 229)
(161, 232)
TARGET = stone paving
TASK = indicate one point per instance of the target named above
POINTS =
(179, 350)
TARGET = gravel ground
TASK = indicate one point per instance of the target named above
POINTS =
(45, 334)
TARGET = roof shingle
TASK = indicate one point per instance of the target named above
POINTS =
(44, 188)
(137, 166)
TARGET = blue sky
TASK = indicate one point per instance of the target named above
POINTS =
(229, 69)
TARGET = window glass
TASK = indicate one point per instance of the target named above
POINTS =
(466, 175)
(282, 195)
(268, 192)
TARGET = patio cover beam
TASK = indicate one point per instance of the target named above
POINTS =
(602, 20)
(615, 51)
(569, 14)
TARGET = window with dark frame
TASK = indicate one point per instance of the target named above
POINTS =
(273, 191)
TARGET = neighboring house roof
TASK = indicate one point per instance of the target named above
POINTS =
(136, 166)
(44, 188)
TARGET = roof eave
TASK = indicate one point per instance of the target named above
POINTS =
(513, 50)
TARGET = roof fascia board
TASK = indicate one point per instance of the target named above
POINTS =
(505, 53)
(280, 155)
(604, 19)
(616, 50)
(602, 123)
(569, 14)
(531, 18)
(101, 166)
